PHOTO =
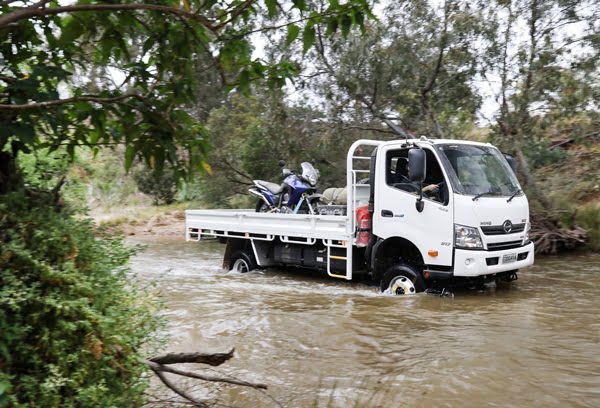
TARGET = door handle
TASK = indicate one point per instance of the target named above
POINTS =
(387, 213)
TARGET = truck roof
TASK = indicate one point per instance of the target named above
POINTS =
(433, 141)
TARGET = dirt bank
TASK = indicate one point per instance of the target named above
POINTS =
(142, 226)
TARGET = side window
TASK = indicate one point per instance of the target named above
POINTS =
(434, 186)
(396, 176)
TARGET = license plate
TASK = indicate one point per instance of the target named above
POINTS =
(508, 258)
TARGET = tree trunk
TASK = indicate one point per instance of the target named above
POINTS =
(10, 179)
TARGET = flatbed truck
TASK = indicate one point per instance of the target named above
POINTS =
(419, 213)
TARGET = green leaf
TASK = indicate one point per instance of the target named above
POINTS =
(129, 156)
(346, 24)
(25, 132)
(71, 31)
(308, 39)
(299, 4)
(332, 26)
(271, 7)
(292, 33)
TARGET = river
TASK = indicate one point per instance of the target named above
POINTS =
(321, 342)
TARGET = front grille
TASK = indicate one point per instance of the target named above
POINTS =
(498, 230)
(499, 246)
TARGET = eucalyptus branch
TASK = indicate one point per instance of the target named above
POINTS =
(26, 13)
(235, 13)
(58, 102)
(277, 27)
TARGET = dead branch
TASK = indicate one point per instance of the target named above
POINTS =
(549, 237)
(204, 377)
(177, 391)
(213, 359)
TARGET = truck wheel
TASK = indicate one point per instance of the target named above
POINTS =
(262, 207)
(242, 261)
(402, 279)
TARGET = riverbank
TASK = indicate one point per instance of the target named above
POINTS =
(143, 223)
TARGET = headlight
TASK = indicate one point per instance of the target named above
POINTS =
(467, 237)
(527, 229)
(312, 179)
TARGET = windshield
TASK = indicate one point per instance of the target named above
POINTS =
(475, 170)
(309, 173)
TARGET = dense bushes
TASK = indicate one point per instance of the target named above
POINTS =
(162, 188)
(71, 324)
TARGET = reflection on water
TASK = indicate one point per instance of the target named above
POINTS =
(323, 342)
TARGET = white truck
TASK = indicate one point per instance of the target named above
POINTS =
(419, 213)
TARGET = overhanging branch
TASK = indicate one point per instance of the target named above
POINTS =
(26, 13)
(57, 102)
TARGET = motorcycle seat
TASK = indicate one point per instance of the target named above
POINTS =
(272, 187)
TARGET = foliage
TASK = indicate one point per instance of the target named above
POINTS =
(57, 87)
(73, 325)
(413, 70)
(589, 219)
(161, 187)
(250, 134)
(540, 153)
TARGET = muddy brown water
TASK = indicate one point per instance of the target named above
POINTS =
(322, 342)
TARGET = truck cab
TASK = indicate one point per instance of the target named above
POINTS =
(446, 209)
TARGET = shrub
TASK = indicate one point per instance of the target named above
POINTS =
(162, 188)
(589, 219)
(72, 326)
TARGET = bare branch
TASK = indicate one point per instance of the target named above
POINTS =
(204, 377)
(367, 128)
(176, 390)
(23, 14)
(247, 177)
(213, 359)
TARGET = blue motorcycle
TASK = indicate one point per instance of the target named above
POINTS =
(296, 195)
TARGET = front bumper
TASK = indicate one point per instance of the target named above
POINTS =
(478, 263)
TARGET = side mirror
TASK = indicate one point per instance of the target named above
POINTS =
(416, 165)
(512, 162)
(281, 163)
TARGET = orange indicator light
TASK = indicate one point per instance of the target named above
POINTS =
(431, 252)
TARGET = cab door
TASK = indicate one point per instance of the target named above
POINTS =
(396, 213)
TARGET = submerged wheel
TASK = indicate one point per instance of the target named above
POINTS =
(402, 279)
(261, 206)
(242, 262)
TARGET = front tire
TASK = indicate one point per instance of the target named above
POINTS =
(242, 262)
(402, 279)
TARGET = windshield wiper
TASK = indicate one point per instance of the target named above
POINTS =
(482, 194)
(513, 195)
